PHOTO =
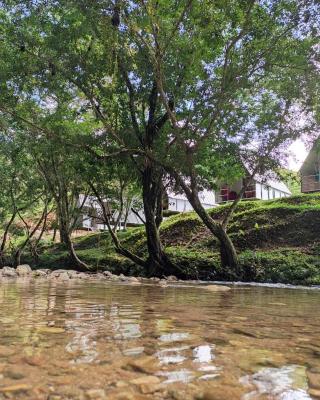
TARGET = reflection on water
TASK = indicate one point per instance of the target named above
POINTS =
(286, 383)
(58, 337)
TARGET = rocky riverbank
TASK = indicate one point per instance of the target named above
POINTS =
(25, 272)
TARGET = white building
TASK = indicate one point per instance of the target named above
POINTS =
(261, 188)
(91, 216)
(179, 202)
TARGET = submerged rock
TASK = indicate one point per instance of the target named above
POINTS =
(96, 394)
(15, 388)
(23, 269)
(147, 384)
(146, 364)
(15, 373)
(9, 272)
(221, 394)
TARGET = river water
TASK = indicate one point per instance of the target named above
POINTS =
(103, 340)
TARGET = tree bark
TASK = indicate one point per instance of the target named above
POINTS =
(65, 238)
(228, 253)
(158, 262)
(30, 235)
(5, 236)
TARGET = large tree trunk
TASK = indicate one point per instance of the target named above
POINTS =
(158, 262)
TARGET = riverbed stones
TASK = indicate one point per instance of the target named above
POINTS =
(72, 274)
(40, 273)
(34, 361)
(314, 380)
(22, 387)
(15, 373)
(96, 394)
(126, 395)
(145, 364)
(172, 278)
(315, 393)
(147, 384)
(61, 275)
(154, 279)
(23, 269)
(6, 351)
(9, 272)
(220, 394)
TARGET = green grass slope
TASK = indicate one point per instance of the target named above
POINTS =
(277, 241)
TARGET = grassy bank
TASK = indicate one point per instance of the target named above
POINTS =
(277, 240)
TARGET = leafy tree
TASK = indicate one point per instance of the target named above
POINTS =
(175, 89)
(22, 191)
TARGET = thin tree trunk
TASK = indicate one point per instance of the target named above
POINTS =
(65, 238)
(5, 236)
(34, 247)
(229, 257)
(118, 247)
(18, 253)
(118, 221)
(126, 215)
(54, 234)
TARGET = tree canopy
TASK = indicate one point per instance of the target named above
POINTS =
(189, 90)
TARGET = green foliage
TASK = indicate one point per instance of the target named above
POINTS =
(190, 89)
(269, 260)
(282, 266)
(292, 180)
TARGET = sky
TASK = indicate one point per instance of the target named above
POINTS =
(298, 154)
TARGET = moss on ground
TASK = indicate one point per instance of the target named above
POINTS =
(277, 240)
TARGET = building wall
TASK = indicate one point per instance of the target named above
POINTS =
(265, 192)
(182, 205)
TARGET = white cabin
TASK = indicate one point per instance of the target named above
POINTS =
(178, 201)
(91, 216)
(260, 189)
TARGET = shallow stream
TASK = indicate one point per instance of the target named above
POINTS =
(102, 340)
